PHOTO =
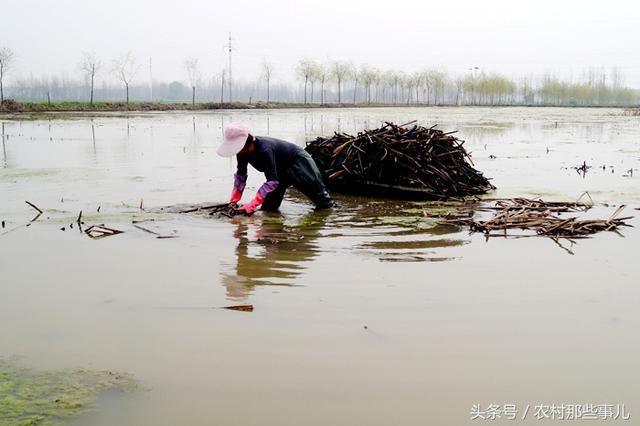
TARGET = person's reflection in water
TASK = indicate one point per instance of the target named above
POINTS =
(272, 250)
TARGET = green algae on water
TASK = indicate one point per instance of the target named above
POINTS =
(42, 398)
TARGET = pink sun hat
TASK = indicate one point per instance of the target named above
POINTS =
(235, 136)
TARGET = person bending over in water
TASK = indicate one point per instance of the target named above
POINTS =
(284, 164)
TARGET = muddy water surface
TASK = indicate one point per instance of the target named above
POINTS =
(369, 314)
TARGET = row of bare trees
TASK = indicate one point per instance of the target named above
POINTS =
(435, 86)
(373, 85)
(343, 82)
(124, 68)
(312, 73)
(195, 77)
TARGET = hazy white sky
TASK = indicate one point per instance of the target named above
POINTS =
(513, 37)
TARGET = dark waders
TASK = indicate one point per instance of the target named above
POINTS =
(303, 175)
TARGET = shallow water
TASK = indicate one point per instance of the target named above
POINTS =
(369, 314)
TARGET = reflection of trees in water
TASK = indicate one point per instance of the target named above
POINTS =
(271, 251)
(479, 132)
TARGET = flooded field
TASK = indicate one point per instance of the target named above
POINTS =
(371, 314)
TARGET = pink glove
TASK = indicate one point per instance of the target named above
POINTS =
(235, 196)
(252, 205)
(239, 182)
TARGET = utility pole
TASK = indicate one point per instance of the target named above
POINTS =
(230, 74)
(222, 86)
(150, 81)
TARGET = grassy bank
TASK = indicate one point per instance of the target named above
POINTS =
(70, 106)
(11, 106)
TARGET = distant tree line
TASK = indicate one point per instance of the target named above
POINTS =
(331, 82)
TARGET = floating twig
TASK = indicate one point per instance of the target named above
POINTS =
(34, 206)
(101, 231)
(242, 308)
(142, 228)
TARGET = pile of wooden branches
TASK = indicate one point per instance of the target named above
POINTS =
(542, 217)
(408, 156)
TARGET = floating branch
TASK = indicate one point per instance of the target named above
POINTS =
(242, 308)
(150, 231)
(35, 207)
(544, 218)
(101, 231)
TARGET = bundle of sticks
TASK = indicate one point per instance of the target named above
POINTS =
(225, 209)
(542, 217)
(407, 155)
